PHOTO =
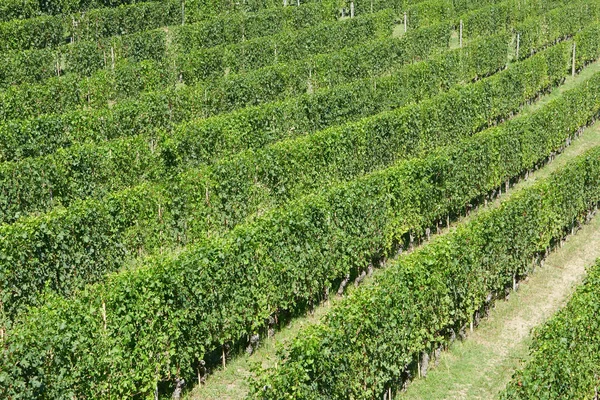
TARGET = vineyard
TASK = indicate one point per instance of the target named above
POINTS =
(294, 199)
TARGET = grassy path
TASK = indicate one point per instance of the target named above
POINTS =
(502, 345)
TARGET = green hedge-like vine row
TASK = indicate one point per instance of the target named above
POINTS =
(289, 46)
(163, 109)
(51, 31)
(369, 341)
(556, 24)
(565, 354)
(23, 9)
(587, 46)
(415, 8)
(155, 322)
(183, 217)
(71, 92)
(57, 95)
(207, 140)
(85, 57)
(503, 15)
(236, 28)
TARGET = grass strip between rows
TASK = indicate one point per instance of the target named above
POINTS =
(565, 353)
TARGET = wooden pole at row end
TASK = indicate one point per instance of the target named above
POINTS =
(182, 13)
(460, 34)
(573, 69)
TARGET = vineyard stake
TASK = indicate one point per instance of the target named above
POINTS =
(183, 13)
(405, 22)
(351, 9)
(112, 56)
(518, 42)
(74, 26)
(573, 70)
(104, 313)
(461, 32)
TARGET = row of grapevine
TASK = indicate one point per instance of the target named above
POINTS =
(183, 217)
(203, 64)
(86, 57)
(417, 9)
(23, 9)
(555, 25)
(425, 297)
(207, 140)
(506, 14)
(104, 86)
(565, 354)
(162, 109)
(63, 93)
(279, 261)
(51, 31)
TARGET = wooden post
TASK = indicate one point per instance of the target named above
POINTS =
(405, 22)
(284, 3)
(518, 43)
(112, 56)
(573, 71)
(183, 13)
(298, 3)
(74, 26)
(104, 313)
(351, 9)
(224, 362)
(460, 33)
